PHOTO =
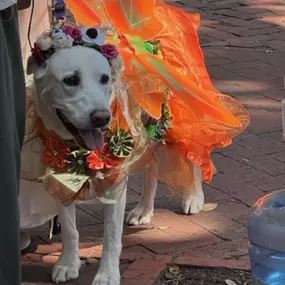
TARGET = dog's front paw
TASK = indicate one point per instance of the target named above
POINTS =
(139, 216)
(193, 203)
(64, 271)
(106, 279)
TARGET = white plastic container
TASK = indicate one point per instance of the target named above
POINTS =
(266, 233)
(283, 114)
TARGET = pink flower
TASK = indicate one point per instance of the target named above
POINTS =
(72, 31)
(37, 54)
(109, 51)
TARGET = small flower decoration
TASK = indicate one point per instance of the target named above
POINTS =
(56, 154)
(95, 35)
(166, 116)
(37, 54)
(109, 51)
(77, 162)
(62, 40)
(44, 41)
(102, 159)
(157, 130)
(121, 144)
(73, 31)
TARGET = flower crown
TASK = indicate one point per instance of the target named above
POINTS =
(65, 35)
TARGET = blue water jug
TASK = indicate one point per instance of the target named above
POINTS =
(266, 233)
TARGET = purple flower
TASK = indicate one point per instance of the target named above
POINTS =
(72, 31)
(37, 54)
(109, 51)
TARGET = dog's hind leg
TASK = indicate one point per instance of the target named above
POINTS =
(143, 212)
(109, 270)
(68, 265)
(193, 202)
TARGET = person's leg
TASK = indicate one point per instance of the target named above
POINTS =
(12, 129)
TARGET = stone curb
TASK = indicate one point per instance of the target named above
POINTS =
(210, 262)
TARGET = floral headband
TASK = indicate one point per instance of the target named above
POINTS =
(65, 35)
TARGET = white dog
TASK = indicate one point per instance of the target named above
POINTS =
(73, 92)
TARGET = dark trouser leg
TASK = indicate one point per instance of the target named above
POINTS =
(12, 129)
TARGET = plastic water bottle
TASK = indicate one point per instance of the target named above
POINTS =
(283, 114)
(266, 233)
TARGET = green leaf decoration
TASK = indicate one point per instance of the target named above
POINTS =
(77, 163)
(153, 47)
(121, 144)
(149, 47)
(151, 130)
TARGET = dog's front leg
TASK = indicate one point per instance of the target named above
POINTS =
(109, 270)
(68, 265)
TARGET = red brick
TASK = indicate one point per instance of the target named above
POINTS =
(218, 61)
(253, 24)
(234, 210)
(136, 252)
(250, 9)
(245, 65)
(264, 144)
(279, 20)
(259, 31)
(178, 235)
(268, 165)
(224, 250)
(221, 73)
(242, 191)
(48, 248)
(235, 14)
(219, 224)
(253, 74)
(270, 184)
(263, 121)
(88, 252)
(145, 269)
(49, 259)
(157, 262)
(139, 281)
(31, 258)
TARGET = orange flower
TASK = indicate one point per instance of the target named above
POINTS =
(56, 154)
(102, 159)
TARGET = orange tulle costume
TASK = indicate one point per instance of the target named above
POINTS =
(202, 117)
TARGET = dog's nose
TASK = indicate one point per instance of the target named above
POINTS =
(100, 118)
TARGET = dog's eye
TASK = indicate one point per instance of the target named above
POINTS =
(72, 80)
(104, 79)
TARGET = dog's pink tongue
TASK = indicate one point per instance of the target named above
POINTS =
(93, 139)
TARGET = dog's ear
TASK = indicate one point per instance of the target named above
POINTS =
(117, 67)
(34, 68)
(32, 65)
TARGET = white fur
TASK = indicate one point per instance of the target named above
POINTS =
(77, 103)
(191, 204)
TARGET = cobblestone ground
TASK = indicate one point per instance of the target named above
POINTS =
(244, 47)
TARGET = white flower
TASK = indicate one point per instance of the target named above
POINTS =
(44, 42)
(61, 40)
(90, 36)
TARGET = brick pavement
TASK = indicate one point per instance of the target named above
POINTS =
(244, 46)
